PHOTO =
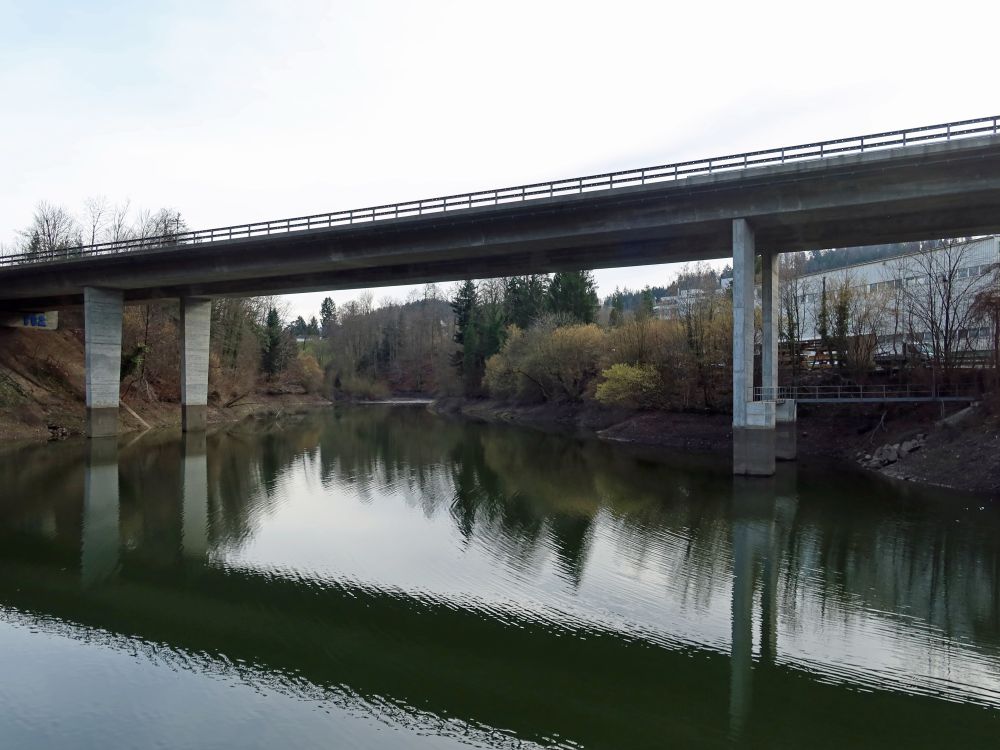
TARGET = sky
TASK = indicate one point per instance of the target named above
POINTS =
(231, 112)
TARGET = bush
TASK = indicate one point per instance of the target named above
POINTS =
(546, 362)
(363, 389)
(631, 385)
(309, 372)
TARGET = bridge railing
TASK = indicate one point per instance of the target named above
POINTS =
(592, 183)
(862, 393)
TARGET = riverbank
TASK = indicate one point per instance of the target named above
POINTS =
(42, 392)
(960, 451)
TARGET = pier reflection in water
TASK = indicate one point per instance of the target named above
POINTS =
(380, 577)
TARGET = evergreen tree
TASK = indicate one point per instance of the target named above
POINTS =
(573, 293)
(274, 352)
(525, 299)
(646, 304)
(313, 328)
(327, 316)
(617, 315)
(464, 306)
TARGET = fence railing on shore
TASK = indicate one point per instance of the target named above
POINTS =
(858, 393)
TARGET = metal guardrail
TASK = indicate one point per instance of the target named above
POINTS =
(857, 393)
(520, 193)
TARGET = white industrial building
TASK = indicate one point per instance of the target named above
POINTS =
(898, 284)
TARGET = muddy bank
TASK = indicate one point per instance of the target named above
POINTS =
(42, 392)
(962, 454)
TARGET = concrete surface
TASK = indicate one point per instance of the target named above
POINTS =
(937, 190)
(103, 352)
(196, 322)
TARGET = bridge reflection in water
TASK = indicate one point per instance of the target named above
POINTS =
(637, 603)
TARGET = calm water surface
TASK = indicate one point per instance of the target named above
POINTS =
(381, 578)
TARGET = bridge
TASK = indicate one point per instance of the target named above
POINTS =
(928, 182)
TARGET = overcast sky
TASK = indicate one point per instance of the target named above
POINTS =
(237, 111)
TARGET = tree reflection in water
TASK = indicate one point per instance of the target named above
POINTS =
(638, 599)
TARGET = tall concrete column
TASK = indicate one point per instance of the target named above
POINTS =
(100, 543)
(196, 324)
(194, 478)
(102, 315)
(770, 316)
(753, 421)
(743, 270)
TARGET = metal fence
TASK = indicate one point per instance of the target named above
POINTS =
(592, 183)
(858, 393)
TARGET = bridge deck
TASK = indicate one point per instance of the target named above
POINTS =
(933, 182)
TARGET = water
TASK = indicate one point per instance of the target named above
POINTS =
(379, 577)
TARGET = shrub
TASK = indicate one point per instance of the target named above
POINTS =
(631, 385)
(363, 389)
(310, 373)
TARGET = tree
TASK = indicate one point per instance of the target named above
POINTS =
(646, 305)
(52, 229)
(313, 328)
(464, 306)
(939, 302)
(525, 299)
(274, 351)
(617, 315)
(327, 316)
(299, 328)
(574, 294)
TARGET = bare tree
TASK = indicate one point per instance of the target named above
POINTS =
(52, 229)
(97, 211)
(938, 289)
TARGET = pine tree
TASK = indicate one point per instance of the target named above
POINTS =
(646, 304)
(327, 316)
(464, 305)
(274, 353)
(617, 314)
(573, 293)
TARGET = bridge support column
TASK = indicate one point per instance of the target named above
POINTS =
(196, 323)
(102, 315)
(786, 430)
(770, 316)
(753, 421)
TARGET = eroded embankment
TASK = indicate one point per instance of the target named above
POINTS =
(962, 453)
(42, 392)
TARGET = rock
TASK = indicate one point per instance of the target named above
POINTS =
(908, 447)
(887, 454)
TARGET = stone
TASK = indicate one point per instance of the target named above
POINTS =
(908, 447)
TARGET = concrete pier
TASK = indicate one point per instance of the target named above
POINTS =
(753, 421)
(770, 315)
(196, 324)
(102, 313)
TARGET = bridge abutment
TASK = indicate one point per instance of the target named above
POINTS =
(753, 421)
(196, 324)
(102, 313)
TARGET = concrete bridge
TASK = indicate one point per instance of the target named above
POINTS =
(930, 182)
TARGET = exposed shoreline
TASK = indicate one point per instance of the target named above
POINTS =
(963, 456)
